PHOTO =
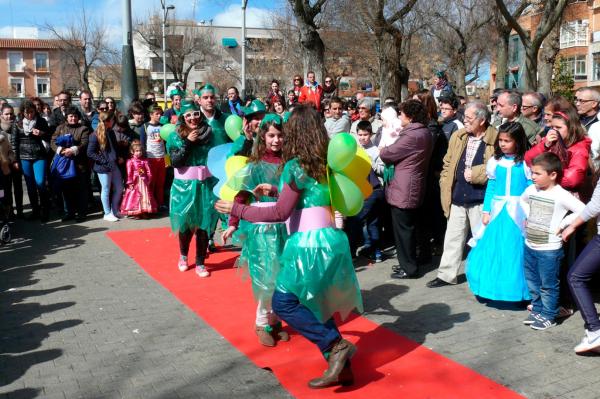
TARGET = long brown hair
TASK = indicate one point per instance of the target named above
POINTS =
(306, 139)
(428, 102)
(260, 144)
(576, 130)
(101, 129)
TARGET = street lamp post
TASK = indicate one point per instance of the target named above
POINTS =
(129, 89)
(165, 9)
(244, 3)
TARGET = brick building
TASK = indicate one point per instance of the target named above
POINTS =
(33, 67)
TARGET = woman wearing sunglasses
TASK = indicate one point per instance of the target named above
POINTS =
(191, 205)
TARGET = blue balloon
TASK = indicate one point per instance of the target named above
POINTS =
(215, 161)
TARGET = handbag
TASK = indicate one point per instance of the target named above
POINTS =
(63, 167)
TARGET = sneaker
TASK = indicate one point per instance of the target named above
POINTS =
(375, 256)
(529, 307)
(110, 218)
(590, 342)
(182, 265)
(542, 323)
(201, 271)
(532, 318)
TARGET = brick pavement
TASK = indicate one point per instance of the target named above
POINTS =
(80, 319)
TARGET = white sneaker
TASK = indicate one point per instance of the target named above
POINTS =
(589, 343)
(201, 271)
(182, 264)
(111, 218)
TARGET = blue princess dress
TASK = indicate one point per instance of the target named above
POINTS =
(495, 265)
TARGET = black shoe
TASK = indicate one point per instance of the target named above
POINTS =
(67, 217)
(436, 282)
(401, 274)
(80, 218)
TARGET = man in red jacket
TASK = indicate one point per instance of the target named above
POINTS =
(311, 92)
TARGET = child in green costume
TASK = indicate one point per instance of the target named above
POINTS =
(317, 278)
(262, 243)
(192, 198)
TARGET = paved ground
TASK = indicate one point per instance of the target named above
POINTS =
(80, 319)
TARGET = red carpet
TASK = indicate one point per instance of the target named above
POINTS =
(386, 365)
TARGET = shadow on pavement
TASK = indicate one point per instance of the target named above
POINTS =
(21, 332)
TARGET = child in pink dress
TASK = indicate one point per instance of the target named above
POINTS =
(138, 199)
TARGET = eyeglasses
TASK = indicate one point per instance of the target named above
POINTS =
(527, 106)
(446, 109)
(580, 100)
(364, 108)
(195, 114)
(328, 81)
(326, 110)
(103, 109)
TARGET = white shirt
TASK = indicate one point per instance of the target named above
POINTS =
(546, 210)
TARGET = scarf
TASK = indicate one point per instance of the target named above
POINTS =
(28, 126)
(441, 83)
(312, 87)
(329, 89)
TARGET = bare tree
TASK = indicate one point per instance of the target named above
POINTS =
(548, 55)
(310, 40)
(84, 43)
(386, 20)
(503, 30)
(188, 45)
(462, 33)
(551, 14)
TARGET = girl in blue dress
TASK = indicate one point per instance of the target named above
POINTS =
(495, 265)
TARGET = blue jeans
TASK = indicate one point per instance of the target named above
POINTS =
(301, 319)
(586, 265)
(369, 216)
(34, 171)
(111, 180)
(541, 272)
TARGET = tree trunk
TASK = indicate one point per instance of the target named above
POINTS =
(531, 68)
(393, 75)
(547, 58)
(502, 60)
(460, 73)
(314, 50)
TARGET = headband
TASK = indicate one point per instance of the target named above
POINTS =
(560, 114)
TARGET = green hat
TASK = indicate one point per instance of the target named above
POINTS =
(176, 92)
(271, 118)
(187, 106)
(255, 107)
(207, 88)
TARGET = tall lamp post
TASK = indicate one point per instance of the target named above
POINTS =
(244, 3)
(165, 9)
(129, 88)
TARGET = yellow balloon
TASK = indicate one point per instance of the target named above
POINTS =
(358, 169)
(235, 163)
(365, 188)
(227, 193)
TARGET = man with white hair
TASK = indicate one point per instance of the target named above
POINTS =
(366, 110)
(532, 107)
(462, 187)
(587, 102)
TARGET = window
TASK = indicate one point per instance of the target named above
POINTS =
(41, 62)
(109, 84)
(157, 65)
(43, 87)
(574, 33)
(577, 66)
(198, 85)
(15, 61)
(596, 66)
(17, 87)
(514, 56)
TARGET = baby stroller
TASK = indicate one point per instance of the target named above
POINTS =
(5, 235)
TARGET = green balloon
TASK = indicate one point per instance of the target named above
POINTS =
(234, 126)
(166, 130)
(341, 151)
(346, 196)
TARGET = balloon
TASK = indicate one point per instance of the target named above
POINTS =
(215, 161)
(365, 188)
(166, 130)
(235, 163)
(359, 166)
(227, 193)
(346, 197)
(234, 126)
(341, 151)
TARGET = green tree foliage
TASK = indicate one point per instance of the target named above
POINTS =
(562, 80)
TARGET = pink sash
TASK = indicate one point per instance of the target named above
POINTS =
(313, 218)
(192, 173)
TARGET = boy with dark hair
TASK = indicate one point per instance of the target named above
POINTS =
(153, 147)
(369, 214)
(545, 203)
(449, 110)
(337, 122)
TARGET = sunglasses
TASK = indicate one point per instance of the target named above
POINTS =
(104, 109)
(195, 114)
(328, 81)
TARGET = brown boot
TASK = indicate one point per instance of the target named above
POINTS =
(339, 371)
(264, 337)
(279, 334)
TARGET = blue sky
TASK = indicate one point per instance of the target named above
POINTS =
(59, 12)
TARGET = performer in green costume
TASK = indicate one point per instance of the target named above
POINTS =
(262, 243)
(192, 199)
(253, 115)
(317, 277)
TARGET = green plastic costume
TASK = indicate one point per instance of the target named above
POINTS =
(217, 123)
(262, 243)
(192, 201)
(316, 264)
